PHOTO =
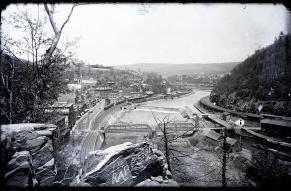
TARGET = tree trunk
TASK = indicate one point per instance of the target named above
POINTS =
(166, 147)
(10, 107)
(224, 159)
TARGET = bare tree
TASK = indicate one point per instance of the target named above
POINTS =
(168, 138)
(175, 156)
(267, 169)
(41, 73)
(224, 148)
(57, 32)
(7, 82)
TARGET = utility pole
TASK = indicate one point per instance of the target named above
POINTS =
(197, 122)
(224, 159)
(166, 146)
(289, 102)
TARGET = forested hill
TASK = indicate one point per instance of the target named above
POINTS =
(263, 78)
(180, 69)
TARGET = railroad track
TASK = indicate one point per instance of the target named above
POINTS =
(94, 139)
(88, 145)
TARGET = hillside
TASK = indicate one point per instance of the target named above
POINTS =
(179, 69)
(263, 78)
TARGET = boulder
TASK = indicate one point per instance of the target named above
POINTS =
(169, 174)
(126, 164)
(19, 172)
(158, 179)
(18, 159)
(43, 156)
(50, 163)
(148, 182)
(44, 133)
(27, 148)
(34, 144)
(32, 135)
(19, 179)
(45, 177)
(163, 183)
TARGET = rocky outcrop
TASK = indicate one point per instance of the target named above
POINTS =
(19, 170)
(126, 165)
(33, 160)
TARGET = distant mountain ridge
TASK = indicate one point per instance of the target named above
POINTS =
(179, 69)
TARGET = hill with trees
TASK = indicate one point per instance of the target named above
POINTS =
(180, 69)
(263, 78)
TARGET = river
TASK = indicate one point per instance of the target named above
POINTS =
(149, 112)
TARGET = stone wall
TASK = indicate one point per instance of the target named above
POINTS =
(31, 147)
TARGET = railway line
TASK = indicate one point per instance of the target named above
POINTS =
(94, 139)
(88, 145)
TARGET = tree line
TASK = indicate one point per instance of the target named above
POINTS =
(263, 76)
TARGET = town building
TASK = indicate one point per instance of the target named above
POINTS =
(62, 131)
(233, 145)
(64, 109)
(225, 116)
(113, 96)
(103, 92)
(213, 138)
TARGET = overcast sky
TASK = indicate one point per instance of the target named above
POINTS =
(117, 34)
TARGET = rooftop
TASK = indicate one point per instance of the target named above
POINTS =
(281, 123)
(61, 105)
(213, 135)
(103, 88)
(230, 141)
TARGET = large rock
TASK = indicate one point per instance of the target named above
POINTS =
(35, 144)
(45, 177)
(155, 183)
(43, 156)
(19, 170)
(34, 153)
(28, 136)
(123, 165)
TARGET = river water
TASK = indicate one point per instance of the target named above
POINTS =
(151, 111)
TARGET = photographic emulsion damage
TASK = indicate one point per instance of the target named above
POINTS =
(145, 94)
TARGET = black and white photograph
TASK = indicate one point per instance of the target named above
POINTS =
(145, 95)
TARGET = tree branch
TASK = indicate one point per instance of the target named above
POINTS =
(51, 18)
(68, 18)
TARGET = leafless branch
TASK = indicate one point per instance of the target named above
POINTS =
(68, 18)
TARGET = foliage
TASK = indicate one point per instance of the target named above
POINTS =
(30, 94)
(263, 76)
(29, 86)
(268, 171)
(156, 82)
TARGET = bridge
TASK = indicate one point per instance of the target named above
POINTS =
(124, 127)
(142, 127)
(181, 126)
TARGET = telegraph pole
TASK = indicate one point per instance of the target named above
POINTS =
(224, 159)
(289, 102)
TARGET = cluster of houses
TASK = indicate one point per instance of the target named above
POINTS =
(214, 139)
(65, 116)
